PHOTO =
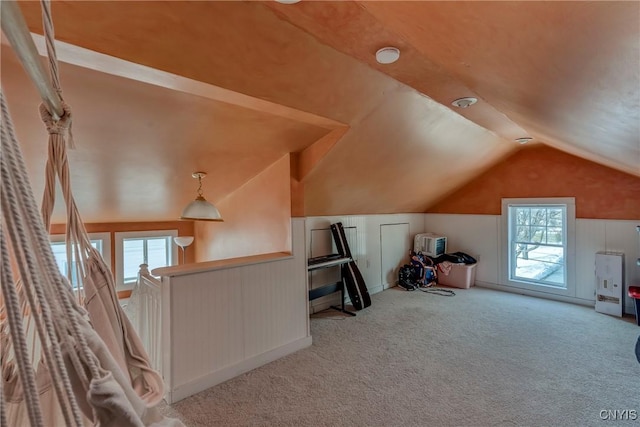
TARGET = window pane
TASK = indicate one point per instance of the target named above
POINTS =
(554, 235)
(540, 263)
(538, 235)
(133, 254)
(522, 233)
(522, 216)
(157, 253)
(538, 217)
(60, 253)
(555, 217)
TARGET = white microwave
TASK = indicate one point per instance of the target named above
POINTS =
(430, 244)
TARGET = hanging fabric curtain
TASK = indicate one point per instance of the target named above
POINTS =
(62, 364)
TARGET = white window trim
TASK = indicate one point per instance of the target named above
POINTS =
(104, 237)
(570, 262)
(118, 240)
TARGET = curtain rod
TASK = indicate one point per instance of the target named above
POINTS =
(16, 30)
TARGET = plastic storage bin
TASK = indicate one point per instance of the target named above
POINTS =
(460, 276)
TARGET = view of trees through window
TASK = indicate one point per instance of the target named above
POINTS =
(538, 244)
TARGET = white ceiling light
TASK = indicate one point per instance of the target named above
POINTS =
(523, 140)
(288, 1)
(464, 102)
(200, 209)
(388, 55)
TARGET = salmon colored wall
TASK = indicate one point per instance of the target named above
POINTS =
(257, 218)
(542, 171)
(185, 228)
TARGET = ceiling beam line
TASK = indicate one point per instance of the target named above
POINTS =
(85, 58)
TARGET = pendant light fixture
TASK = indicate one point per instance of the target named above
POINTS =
(200, 209)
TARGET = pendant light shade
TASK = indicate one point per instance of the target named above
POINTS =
(200, 209)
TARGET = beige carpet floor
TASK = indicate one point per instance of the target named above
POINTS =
(481, 358)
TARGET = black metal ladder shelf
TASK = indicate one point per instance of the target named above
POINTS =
(313, 264)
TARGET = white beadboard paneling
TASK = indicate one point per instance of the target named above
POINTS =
(480, 236)
(394, 241)
(274, 307)
(207, 323)
(365, 248)
(225, 322)
(321, 242)
(590, 238)
(166, 335)
(621, 236)
(476, 235)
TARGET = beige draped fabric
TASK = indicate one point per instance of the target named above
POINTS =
(62, 363)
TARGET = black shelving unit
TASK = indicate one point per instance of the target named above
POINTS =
(312, 264)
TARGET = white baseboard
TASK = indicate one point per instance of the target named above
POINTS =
(376, 289)
(531, 293)
(185, 390)
(317, 306)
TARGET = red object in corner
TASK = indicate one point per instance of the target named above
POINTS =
(634, 292)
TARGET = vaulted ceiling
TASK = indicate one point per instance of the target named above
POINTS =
(564, 73)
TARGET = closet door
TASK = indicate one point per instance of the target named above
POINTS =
(395, 243)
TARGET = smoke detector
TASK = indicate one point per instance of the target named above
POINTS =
(464, 102)
(523, 140)
(387, 55)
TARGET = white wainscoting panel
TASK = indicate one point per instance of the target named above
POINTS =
(480, 237)
(207, 332)
(476, 235)
(227, 321)
(366, 249)
(590, 237)
(621, 236)
(395, 241)
(275, 301)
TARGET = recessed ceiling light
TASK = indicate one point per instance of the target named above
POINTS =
(523, 140)
(464, 102)
(288, 1)
(388, 55)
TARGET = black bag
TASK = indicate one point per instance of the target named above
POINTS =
(407, 278)
(456, 258)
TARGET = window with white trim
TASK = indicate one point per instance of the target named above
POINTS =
(539, 249)
(100, 241)
(153, 248)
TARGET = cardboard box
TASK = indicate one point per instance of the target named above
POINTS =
(461, 276)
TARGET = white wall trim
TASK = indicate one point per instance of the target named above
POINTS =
(545, 295)
(214, 378)
(572, 300)
(570, 236)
